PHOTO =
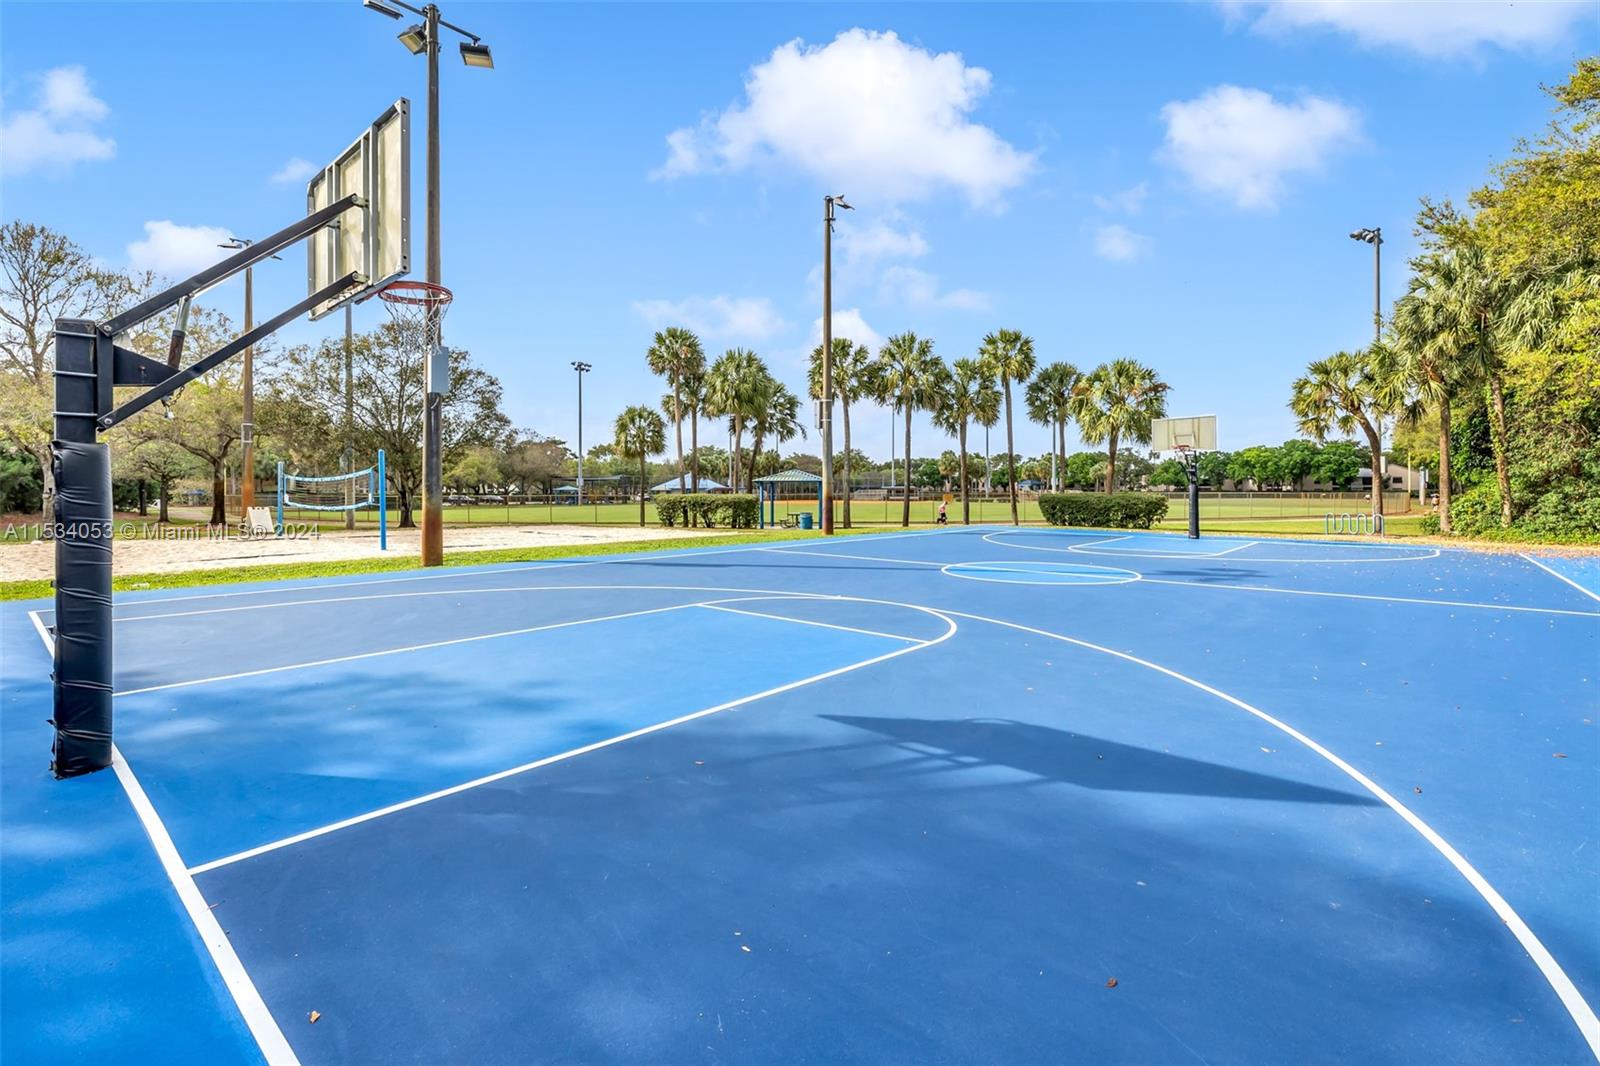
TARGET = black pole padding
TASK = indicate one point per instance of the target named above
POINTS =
(83, 608)
(1192, 468)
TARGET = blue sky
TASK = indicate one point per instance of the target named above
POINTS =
(1170, 182)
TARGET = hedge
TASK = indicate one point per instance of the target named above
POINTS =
(707, 509)
(1118, 510)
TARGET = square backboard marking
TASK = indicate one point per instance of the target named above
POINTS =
(1198, 432)
(375, 240)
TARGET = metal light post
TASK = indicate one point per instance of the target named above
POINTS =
(419, 38)
(247, 430)
(828, 203)
(1374, 237)
(582, 368)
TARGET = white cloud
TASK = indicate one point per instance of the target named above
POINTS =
(1119, 244)
(868, 114)
(1243, 144)
(918, 288)
(295, 170)
(848, 323)
(55, 133)
(877, 241)
(741, 318)
(175, 250)
(1128, 201)
(1431, 29)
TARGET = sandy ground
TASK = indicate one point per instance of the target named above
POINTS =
(197, 551)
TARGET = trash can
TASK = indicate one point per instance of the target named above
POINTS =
(805, 520)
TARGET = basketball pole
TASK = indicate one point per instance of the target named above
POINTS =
(350, 418)
(432, 459)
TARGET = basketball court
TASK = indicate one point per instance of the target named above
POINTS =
(980, 794)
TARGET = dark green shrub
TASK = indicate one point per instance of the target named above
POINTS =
(670, 508)
(1429, 525)
(742, 510)
(1476, 511)
(707, 509)
(1118, 510)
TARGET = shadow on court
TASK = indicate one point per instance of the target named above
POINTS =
(1090, 762)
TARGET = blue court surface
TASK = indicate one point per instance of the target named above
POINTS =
(977, 795)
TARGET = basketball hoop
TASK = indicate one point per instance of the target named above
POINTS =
(417, 308)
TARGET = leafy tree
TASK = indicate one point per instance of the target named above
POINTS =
(388, 385)
(1258, 464)
(166, 464)
(734, 390)
(1132, 469)
(476, 468)
(1008, 355)
(1084, 469)
(949, 467)
(1049, 398)
(1171, 473)
(1117, 402)
(1342, 392)
(532, 461)
(674, 354)
(970, 396)
(909, 376)
(925, 473)
(640, 433)
(1296, 459)
(852, 380)
(776, 417)
(692, 398)
(1338, 464)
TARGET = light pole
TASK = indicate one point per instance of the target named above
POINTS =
(419, 38)
(582, 368)
(1374, 237)
(828, 204)
(247, 430)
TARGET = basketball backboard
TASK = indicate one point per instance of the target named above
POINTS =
(374, 241)
(1198, 433)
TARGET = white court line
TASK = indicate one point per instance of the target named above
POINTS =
(1236, 548)
(1429, 553)
(809, 622)
(1565, 990)
(1560, 576)
(263, 1027)
(1376, 599)
(841, 555)
(397, 651)
(346, 823)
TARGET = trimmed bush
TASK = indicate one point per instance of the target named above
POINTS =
(1117, 510)
(707, 509)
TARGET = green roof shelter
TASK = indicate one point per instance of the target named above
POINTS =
(767, 489)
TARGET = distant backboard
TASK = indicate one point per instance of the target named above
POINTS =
(1198, 433)
(374, 241)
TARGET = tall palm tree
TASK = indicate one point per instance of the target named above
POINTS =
(1008, 354)
(733, 391)
(851, 381)
(640, 433)
(1117, 402)
(1343, 392)
(1049, 399)
(970, 396)
(692, 391)
(909, 376)
(673, 353)
(776, 416)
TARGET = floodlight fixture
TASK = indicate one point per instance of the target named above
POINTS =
(380, 8)
(476, 54)
(840, 201)
(1367, 236)
(415, 38)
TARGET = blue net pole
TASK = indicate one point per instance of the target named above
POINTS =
(383, 504)
(280, 497)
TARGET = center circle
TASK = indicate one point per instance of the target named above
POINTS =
(1028, 572)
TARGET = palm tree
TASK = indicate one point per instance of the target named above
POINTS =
(777, 416)
(970, 396)
(1118, 401)
(692, 393)
(1008, 354)
(640, 433)
(909, 376)
(673, 353)
(1342, 392)
(733, 387)
(851, 381)
(1049, 399)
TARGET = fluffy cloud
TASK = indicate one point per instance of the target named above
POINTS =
(295, 170)
(878, 241)
(742, 318)
(1431, 29)
(848, 323)
(56, 132)
(175, 250)
(1119, 244)
(1244, 144)
(918, 288)
(866, 113)
(1128, 201)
